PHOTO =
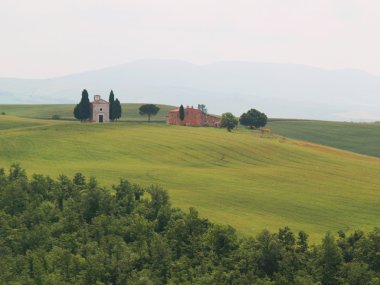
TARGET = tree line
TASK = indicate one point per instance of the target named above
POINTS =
(74, 231)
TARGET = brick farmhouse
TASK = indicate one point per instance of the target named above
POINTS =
(193, 117)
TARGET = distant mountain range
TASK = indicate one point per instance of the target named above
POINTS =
(280, 90)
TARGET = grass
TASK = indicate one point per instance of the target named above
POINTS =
(65, 111)
(357, 137)
(237, 178)
(362, 138)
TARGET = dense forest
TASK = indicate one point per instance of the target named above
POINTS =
(73, 231)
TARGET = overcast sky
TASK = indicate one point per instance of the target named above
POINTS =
(46, 38)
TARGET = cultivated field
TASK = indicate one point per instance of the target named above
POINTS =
(65, 111)
(237, 178)
(358, 137)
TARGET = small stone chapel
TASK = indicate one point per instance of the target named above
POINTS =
(100, 110)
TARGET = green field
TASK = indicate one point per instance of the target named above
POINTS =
(236, 178)
(65, 111)
(358, 137)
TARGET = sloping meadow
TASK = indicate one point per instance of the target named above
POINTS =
(235, 178)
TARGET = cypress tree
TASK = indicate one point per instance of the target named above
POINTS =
(181, 113)
(76, 112)
(86, 110)
(82, 110)
(112, 113)
(117, 109)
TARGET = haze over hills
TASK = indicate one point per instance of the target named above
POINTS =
(280, 90)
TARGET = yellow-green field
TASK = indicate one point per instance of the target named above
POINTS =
(236, 178)
(363, 138)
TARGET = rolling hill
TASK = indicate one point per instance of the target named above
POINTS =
(281, 90)
(357, 137)
(362, 138)
(237, 178)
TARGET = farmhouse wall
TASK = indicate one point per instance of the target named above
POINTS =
(193, 117)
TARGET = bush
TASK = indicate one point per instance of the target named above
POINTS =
(56, 117)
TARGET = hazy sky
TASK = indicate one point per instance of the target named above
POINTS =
(45, 38)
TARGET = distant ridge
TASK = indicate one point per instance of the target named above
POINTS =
(280, 90)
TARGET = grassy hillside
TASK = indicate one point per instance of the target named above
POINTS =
(130, 111)
(237, 178)
(358, 137)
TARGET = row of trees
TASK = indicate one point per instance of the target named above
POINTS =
(82, 111)
(73, 231)
(252, 119)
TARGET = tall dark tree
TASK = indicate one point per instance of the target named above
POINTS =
(82, 110)
(181, 112)
(111, 101)
(149, 110)
(117, 109)
(77, 112)
(253, 119)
